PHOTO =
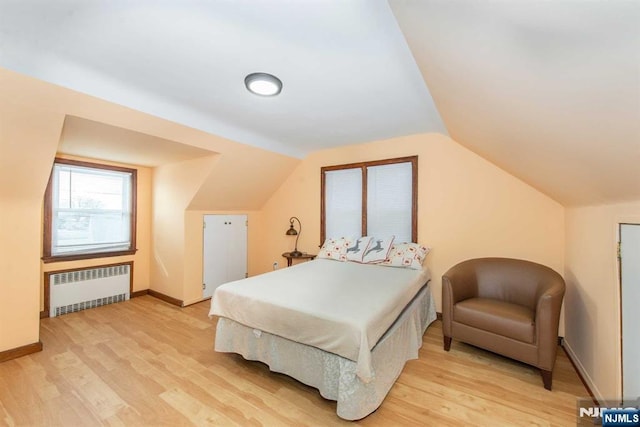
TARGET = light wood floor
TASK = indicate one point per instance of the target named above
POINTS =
(144, 362)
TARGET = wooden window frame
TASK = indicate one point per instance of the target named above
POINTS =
(363, 167)
(47, 257)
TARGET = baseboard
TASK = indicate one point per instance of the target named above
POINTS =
(588, 383)
(139, 293)
(24, 350)
(195, 301)
(159, 295)
(44, 314)
(165, 298)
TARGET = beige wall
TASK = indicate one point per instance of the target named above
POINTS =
(141, 259)
(467, 207)
(592, 303)
(28, 141)
(31, 119)
(174, 186)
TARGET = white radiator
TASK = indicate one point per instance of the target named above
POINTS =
(73, 291)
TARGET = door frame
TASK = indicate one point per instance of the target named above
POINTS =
(620, 223)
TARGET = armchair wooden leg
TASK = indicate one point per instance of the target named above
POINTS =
(447, 343)
(546, 378)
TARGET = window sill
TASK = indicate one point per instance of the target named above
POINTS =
(75, 257)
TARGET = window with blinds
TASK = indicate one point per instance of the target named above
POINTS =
(89, 211)
(372, 198)
(343, 192)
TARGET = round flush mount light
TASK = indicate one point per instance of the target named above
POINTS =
(263, 84)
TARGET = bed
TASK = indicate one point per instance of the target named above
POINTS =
(344, 328)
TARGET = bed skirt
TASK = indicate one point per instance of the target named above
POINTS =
(335, 376)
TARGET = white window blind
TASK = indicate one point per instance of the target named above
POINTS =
(343, 203)
(389, 201)
(91, 210)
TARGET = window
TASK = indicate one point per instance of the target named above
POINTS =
(90, 211)
(372, 198)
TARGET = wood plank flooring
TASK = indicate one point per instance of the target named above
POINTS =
(145, 362)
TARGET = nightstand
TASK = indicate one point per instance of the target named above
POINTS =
(290, 257)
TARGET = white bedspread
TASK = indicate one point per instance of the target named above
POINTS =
(340, 307)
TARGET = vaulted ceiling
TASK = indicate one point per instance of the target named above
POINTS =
(549, 91)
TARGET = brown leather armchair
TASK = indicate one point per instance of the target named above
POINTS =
(507, 306)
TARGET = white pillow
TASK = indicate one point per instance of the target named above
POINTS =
(378, 250)
(357, 248)
(334, 248)
(407, 255)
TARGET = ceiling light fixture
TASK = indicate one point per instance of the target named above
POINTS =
(263, 84)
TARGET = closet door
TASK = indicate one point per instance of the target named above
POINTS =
(224, 250)
(236, 240)
(630, 294)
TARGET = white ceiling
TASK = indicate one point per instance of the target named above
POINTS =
(547, 90)
(348, 74)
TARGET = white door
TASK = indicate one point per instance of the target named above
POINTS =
(237, 247)
(630, 295)
(224, 251)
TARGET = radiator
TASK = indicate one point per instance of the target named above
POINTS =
(73, 291)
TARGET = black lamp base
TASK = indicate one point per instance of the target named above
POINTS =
(295, 253)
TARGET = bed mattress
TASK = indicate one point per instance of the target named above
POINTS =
(339, 307)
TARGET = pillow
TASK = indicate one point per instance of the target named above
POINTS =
(334, 248)
(357, 248)
(378, 250)
(407, 255)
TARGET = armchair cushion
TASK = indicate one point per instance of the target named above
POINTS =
(499, 317)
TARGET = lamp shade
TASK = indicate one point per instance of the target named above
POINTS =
(291, 231)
